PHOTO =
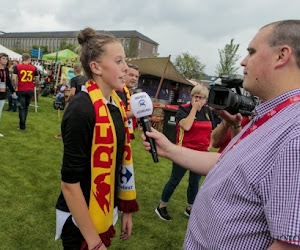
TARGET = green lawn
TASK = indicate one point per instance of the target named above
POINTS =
(30, 184)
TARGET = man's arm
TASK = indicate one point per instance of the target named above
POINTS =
(219, 134)
(195, 161)
(14, 80)
(72, 93)
(130, 114)
(277, 245)
(229, 122)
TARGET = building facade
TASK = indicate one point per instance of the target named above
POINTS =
(135, 44)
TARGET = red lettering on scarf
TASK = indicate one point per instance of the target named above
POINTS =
(127, 150)
(97, 163)
(102, 189)
(99, 138)
(101, 118)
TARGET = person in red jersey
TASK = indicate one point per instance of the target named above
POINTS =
(25, 76)
(194, 122)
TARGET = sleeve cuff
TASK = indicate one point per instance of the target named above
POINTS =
(130, 206)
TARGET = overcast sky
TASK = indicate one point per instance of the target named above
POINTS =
(199, 27)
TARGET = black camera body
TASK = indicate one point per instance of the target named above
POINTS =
(222, 97)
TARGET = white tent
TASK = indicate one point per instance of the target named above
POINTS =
(11, 54)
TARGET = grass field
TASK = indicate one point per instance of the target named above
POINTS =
(30, 166)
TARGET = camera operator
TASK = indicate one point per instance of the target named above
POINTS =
(227, 129)
(227, 104)
(250, 196)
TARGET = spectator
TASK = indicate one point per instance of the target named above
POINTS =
(76, 82)
(131, 80)
(5, 82)
(194, 123)
(24, 75)
(12, 107)
(60, 90)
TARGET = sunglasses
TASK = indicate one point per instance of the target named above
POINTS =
(130, 65)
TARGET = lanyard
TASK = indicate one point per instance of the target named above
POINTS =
(3, 75)
(265, 118)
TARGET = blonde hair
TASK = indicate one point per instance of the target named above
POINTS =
(200, 89)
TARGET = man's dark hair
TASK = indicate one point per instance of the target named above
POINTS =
(3, 55)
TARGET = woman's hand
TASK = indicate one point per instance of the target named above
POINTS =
(126, 226)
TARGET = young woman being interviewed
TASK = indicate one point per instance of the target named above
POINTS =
(97, 171)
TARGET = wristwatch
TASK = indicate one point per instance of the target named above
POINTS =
(235, 127)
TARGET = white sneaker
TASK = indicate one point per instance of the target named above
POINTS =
(1, 135)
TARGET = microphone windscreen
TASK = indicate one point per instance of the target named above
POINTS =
(141, 104)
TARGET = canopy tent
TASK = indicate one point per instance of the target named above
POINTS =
(11, 54)
(156, 66)
(65, 54)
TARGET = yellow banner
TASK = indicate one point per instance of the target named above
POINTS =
(67, 73)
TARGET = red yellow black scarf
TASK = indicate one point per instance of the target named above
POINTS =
(103, 161)
(132, 122)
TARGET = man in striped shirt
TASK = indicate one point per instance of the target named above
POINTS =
(250, 198)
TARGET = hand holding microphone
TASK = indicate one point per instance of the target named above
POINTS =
(141, 106)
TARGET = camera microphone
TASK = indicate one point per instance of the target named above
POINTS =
(141, 106)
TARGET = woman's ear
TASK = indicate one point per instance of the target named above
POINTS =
(95, 68)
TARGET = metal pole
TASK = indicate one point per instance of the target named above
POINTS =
(161, 79)
(35, 101)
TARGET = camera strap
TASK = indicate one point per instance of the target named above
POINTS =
(265, 118)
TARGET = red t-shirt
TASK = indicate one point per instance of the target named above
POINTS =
(26, 74)
(198, 137)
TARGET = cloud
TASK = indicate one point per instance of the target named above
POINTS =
(199, 27)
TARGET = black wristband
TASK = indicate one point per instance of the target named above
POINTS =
(235, 127)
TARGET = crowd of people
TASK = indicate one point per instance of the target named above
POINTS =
(250, 195)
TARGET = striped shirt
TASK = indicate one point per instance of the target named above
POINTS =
(252, 196)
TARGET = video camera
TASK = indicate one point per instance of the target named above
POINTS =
(222, 97)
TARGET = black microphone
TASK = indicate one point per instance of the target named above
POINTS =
(141, 106)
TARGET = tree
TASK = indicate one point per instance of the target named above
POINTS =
(189, 66)
(44, 48)
(131, 48)
(228, 59)
(64, 45)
